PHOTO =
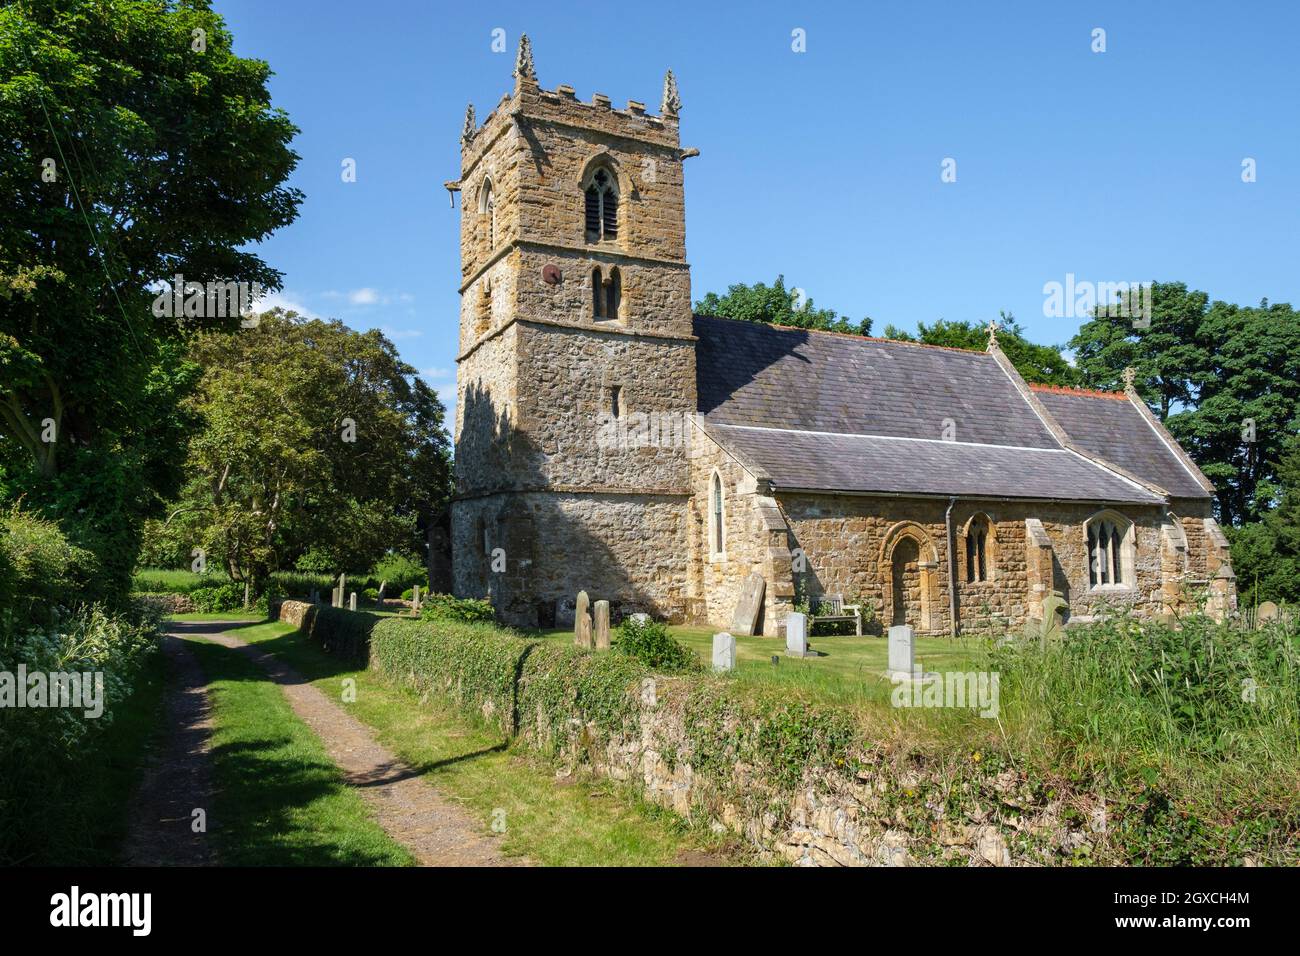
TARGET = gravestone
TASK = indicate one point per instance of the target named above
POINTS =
(601, 625)
(315, 596)
(724, 652)
(751, 602)
(383, 586)
(640, 617)
(336, 597)
(1054, 611)
(902, 650)
(352, 601)
(582, 621)
(1267, 612)
(415, 599)
(796, 635)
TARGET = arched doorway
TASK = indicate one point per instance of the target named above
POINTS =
(905, 572)
(908, 569)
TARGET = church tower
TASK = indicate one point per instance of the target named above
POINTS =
(576, 365)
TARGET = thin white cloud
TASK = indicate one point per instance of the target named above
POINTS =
(284, 300)
(397, 335)
(365, 296)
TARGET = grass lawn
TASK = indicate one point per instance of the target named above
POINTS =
(851, 673)
(280, 800)
(576, 822)
(220, 616)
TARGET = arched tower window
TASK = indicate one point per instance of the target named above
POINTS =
(979, 550)
(717, 534)
(613, 293)
(600, 200)
(487, 207)
(597, 294)
(1110, 551)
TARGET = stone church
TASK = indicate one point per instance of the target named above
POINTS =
(609, 440)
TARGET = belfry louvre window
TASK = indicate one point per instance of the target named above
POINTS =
(601, 207)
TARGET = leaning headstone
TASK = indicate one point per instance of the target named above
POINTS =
(1267, 612)
(796, 635)
(902, 650)
(383, 585)
(343, 583)
(336, 598)
(601, 624)
(724, 652)
(582, 621)
(352, 601)
(751, 602)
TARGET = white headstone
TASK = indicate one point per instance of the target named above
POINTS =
(724, 652)
(902, 651)
(352, 601)
(640, 617)
(796, 635)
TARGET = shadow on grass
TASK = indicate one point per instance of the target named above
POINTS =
(280, 800)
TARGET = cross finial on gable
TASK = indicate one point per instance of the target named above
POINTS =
(471, 124)
(524, 69)
(672, 101)
(993, 333)
(1129, 378)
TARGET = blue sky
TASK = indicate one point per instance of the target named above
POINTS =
(822, 165)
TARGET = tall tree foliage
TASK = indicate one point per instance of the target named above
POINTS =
(316, 439)
(138, 147)
(1036, 363)
(1224, 378)
(777, 305)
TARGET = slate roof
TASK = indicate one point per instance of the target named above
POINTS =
(814, 461)
(824, 412)
(1113, 429)
(754, 374)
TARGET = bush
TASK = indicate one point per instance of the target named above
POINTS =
(222, 597)
(444, 607)
(401, 571)
(41, 571)
(650, 643)
(47, 811)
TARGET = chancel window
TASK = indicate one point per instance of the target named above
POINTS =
(601, 206)
(1110, 551)
(977, 550)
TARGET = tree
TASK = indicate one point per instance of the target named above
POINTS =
(1225, 380)
(1266, 553)
(1036, 363)
(777, 305)
(316, 439)
(139, 148)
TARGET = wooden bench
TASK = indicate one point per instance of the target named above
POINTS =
(831, 607)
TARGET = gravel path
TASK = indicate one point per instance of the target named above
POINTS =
(432, 827)
(178, 774)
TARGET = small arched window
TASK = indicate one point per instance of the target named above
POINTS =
(597, 294)
(718, 533)
(613, 293)
(1110, 551)
(487, 207)
(979, 550)
(600, 200)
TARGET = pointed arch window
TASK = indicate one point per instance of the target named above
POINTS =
(600, 205)
(979, 550)
(1110, 551)
(717, 532)
(487, 207)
